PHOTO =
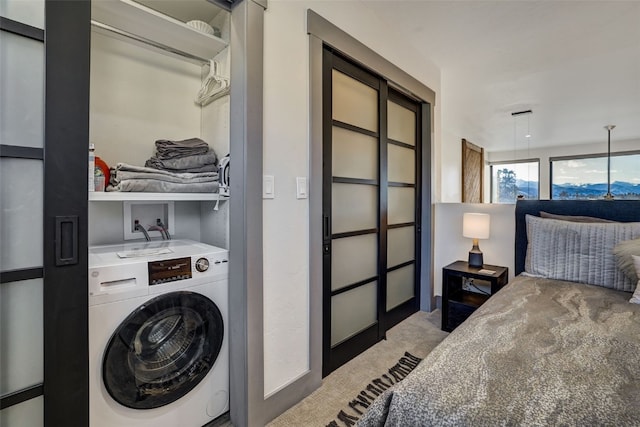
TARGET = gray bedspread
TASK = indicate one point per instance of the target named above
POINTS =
(539, 353)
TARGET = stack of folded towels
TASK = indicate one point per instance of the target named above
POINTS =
(187, 166)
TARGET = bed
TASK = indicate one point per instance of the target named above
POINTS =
(544, 350)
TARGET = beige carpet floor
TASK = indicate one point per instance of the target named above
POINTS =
(418, 335)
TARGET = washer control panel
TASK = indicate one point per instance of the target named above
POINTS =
(169, 270)
(118, 272)
(172, 270)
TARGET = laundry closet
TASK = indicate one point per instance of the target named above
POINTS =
(121, 75)
(159, 114)
(150, 60)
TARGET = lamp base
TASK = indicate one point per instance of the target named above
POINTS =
(475, 258)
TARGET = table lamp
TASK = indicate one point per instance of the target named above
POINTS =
(475, 226)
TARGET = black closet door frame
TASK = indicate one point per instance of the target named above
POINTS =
(332, 358)
(399, 313)
(66, 337)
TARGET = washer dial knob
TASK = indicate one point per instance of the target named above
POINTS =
(202, 264)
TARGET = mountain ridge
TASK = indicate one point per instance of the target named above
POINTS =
(569, 191)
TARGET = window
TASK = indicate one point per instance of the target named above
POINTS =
(585, 177)
(513, 180)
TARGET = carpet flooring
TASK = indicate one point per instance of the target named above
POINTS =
(330, 405)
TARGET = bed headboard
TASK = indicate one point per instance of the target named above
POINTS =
(616, 210)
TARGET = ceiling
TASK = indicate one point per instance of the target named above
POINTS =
(575, 64)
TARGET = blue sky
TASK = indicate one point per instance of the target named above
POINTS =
(524, 171)
(581, 171)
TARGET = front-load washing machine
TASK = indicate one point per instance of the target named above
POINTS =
(158, 337)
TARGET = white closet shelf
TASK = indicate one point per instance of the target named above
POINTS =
(116, 196)
(160, 30)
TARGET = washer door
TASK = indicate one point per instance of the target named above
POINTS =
(162, 350)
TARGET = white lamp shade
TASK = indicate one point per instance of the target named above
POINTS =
(476, 225)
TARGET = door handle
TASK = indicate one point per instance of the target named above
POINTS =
(326, 227)
(66, 240)
(326, 235)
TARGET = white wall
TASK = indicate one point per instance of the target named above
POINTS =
(138, 96)
(286, 155)
(448, 158)
(450, 246)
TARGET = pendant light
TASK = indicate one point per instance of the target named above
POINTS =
(527, 137)
(609, 128)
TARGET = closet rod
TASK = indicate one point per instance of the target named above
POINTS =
(148, 42)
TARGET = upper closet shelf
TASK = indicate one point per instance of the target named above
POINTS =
(117, 196)
(133, 20)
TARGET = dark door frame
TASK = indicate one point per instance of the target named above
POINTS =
(343, 352)
(401, 312)
(335, 356)
(65, 262)
(66, 312)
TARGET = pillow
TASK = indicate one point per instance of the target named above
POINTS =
(578, 252)
(636, 295)
(623, 252)
(573, 218)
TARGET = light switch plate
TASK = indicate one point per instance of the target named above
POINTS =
(268, 187)
(301, 187)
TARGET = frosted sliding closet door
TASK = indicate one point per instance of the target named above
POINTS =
(354, 207)
(370, 207)
(43, 186)
(21, 213)
(401, 205)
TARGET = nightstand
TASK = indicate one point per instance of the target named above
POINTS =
(465, 288)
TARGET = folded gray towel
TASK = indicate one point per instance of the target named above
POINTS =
(183, 163)
(118, 176)
(155, 186)
(167, 149)
(205, 168)
(124, 171)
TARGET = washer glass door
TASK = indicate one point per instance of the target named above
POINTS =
(162, 350)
